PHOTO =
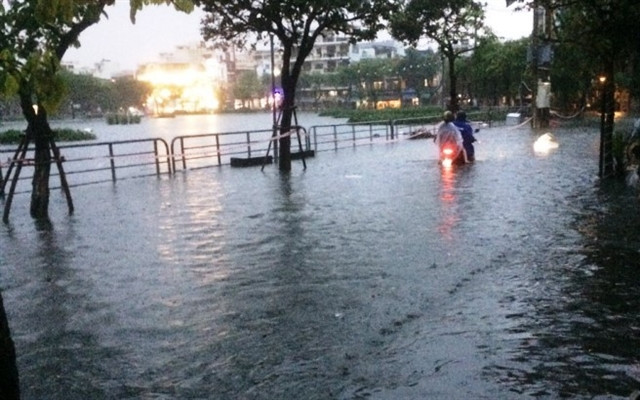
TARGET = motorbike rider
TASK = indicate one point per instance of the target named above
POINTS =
(467, 134)
(448, 133)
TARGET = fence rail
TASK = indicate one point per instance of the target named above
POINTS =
(217, 149)
(90, 163)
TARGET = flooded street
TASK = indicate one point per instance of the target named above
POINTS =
(372, 274)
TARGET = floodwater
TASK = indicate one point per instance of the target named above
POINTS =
(372, 274)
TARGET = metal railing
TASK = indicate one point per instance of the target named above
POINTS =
(89, 163)
(335, 137)
(217, 149)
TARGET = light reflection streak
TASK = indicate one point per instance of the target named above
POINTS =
(449, 201)
(194, 233)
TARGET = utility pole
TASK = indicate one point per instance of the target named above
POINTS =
(607, 115)
(540, 62)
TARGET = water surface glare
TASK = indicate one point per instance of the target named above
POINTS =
(372, 274)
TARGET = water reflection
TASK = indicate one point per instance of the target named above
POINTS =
(59, 347)
(448, 197)
(578, 332)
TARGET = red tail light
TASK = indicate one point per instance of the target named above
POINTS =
(447, 151)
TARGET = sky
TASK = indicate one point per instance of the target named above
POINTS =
(159, 29)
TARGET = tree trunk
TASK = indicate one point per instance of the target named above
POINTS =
(453, 82)
(607, 121)
(9, 379)
(39, 132)
(288, 107)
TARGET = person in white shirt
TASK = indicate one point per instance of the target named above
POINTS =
(448, 133)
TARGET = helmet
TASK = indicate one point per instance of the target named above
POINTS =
(461, 116)
(448, 116)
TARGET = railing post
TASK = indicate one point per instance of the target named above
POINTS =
(248, 144)
(171, 158)
(353, 135)
(218, 150)
(315, 139)
(335, 137)
(155, 154)
(184, 158)
(112, 162)
(170, 164)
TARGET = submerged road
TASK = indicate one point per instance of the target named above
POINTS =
(373, 274)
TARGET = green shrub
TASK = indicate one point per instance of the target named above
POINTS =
(72, 135)
(387, 114)
(122, 119)
(430, 114)
(13, 136)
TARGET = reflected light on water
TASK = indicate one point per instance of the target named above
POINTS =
(194, 228)
(448, 179)
(545, 143)
(448, 200)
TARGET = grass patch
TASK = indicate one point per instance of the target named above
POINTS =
(13, 136)
(385, 115)
(428, 114)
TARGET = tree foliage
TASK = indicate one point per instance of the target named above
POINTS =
(453, 25)
(247, 87)
(34, 37)
(496, 72)
(418, 69)
(296, 26)
(127, 92)
(590, 37)
(604, 31)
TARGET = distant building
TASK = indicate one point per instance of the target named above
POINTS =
(334, 51)
(192, 79)
(378, 49)
(329, 53)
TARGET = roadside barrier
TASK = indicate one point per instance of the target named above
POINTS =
(91, 163)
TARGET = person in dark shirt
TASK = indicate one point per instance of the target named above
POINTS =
(467, 134)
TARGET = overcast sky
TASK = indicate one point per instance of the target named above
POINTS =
(160, 29)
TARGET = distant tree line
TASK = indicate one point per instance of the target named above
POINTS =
(495, 73)
(88, 96)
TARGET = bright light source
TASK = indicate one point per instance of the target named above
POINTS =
(183, 87)
(545, 143)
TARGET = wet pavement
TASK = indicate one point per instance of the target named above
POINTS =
(373, 274)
